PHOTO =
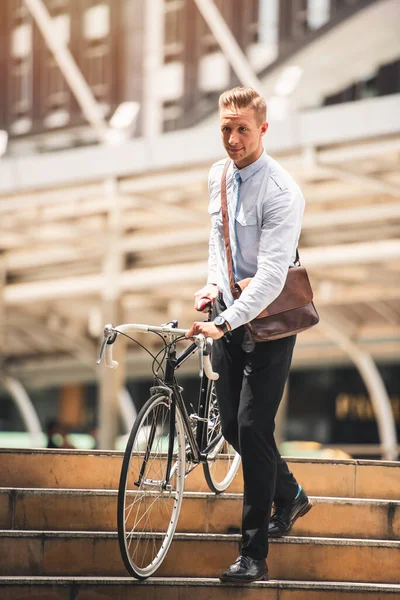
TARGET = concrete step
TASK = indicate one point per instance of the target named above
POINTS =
(122, 588)
(100, 470)
(96, 510)
(200, 555)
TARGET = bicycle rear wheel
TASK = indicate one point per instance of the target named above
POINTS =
(148, 506)
(223, 462)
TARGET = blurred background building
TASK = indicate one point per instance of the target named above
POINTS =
(110, 112)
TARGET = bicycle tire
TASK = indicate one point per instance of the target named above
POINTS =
(148, 515)
(221, 470)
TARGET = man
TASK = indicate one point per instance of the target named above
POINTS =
(265, 207)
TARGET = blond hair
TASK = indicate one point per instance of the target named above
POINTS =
(243, 97)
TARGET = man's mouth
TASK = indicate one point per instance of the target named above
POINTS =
(234, 149)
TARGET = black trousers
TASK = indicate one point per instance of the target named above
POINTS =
(249, 389)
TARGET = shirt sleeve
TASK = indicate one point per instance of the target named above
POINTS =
(212, 250)
(280, 231)
(212, 254)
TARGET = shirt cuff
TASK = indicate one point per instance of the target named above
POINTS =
(212, 278)
(230, 315)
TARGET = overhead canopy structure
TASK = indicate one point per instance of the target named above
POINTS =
(55, 239)
(95, 230)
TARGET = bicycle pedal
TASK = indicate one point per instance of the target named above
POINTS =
(195, 417)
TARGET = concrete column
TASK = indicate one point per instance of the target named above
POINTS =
(269, 14)
(111, 384)
(111, 381)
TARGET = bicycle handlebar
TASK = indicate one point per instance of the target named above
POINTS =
(111, 332)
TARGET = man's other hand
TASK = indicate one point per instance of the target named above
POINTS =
(207, 328)
(209, 291)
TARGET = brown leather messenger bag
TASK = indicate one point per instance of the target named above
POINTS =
(292, 311)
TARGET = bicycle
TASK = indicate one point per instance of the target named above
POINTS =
(164, 446)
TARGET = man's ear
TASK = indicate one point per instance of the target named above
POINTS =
(264, 128)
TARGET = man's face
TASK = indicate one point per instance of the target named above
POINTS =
(242, 134)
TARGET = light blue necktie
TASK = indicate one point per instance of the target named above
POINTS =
(233, 210)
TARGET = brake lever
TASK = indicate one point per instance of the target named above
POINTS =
(204, 303)
(109, 337)
(103, 347)
(200, 342)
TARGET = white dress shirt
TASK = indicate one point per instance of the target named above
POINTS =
(268, 224)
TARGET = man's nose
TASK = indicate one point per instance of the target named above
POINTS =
(233, 139)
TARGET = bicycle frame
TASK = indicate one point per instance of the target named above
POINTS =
(199, 452)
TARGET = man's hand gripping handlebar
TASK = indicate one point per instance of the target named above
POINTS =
(110, 335)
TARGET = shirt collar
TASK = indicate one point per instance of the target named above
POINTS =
(255, 166)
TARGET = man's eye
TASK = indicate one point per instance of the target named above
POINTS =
(243, 128)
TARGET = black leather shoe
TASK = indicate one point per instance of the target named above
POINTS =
(283, 517)
(246, 570)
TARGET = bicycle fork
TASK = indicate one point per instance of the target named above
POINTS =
(142, 480)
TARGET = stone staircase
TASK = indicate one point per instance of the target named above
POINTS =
(58, 533)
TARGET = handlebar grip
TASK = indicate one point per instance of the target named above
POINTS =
(113, 364)
(208, 369)
(203, 303)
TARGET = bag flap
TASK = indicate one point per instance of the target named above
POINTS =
(296, 292)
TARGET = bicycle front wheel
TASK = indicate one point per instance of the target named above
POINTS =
(223, 461)
(148, 503)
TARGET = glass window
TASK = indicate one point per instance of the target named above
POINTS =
(96, 22)
(317, 13)
(268, 22)
(173, 30)
(62, 27)
(21, 41)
